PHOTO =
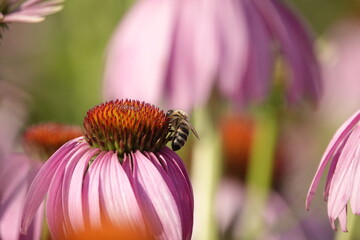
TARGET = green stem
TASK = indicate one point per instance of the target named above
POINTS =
(205, 175)
(260, 170)
(353, 231)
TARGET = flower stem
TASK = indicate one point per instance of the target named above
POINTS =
(205, 174)
(259, 176)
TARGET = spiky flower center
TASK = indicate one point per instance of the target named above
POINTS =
(42, 140)
(125, 126)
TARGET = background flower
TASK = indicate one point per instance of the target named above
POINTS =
(29, 11)
(185, 46)
(18, 170)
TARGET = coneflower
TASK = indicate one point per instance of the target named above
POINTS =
(120, 173)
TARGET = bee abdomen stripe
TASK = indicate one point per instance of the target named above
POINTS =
(182, 136)
(184, 129)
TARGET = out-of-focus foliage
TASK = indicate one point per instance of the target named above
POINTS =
(60, 61)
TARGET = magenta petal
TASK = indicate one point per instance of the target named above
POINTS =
(182, 190)
(41, 183)
(336, 140)
(120, 203)
(155, 197)
(72, 187)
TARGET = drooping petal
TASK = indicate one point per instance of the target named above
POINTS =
(355, 177)
(343, 178)
(234, 45)
(16, 173)
(42, 181)
(155, 198)
(94, 192)
(336, 140)
(120, 204)
(56, 203)
(182, 190)
(72, 187)
(194, 55)
(139, 58)
(257, 81)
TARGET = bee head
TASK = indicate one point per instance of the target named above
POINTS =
(169, 112)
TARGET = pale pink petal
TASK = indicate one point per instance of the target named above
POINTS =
(42, 181)
(343, 219)
(17, 173)
(155, 198)
(137, 59)
(234, 44)
(336, 140)
(94, 196)
(355, 193)
(194, 55)
(18, 17)
(72, 187)
(120, 203)
(342, 182)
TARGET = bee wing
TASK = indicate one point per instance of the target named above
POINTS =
(194, 132)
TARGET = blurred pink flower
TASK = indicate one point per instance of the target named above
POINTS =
(18, 170)
(28, 11)
(175, 52)
(280, 222)
(120, 173)
(343, 180)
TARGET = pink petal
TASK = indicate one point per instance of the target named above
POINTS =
(355, 177)
(120, 203)
(256, 84)
(194, 57)
(72, 187)
(234, 45)
(42, 181)
(93, 195)
(181, 187)
(343, 219)
(56, 204)
(336, 140)
(155, 198)
(16, 175)
(20, 17)
(139, 58)
(342, 182)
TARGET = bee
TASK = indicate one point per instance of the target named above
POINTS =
(180, 127)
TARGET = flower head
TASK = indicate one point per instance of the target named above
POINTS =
(28, 11)
(343, 180)
(120, 174)
(186, 48)
(18, 171)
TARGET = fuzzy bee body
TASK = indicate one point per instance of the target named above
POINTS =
(180, 128)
